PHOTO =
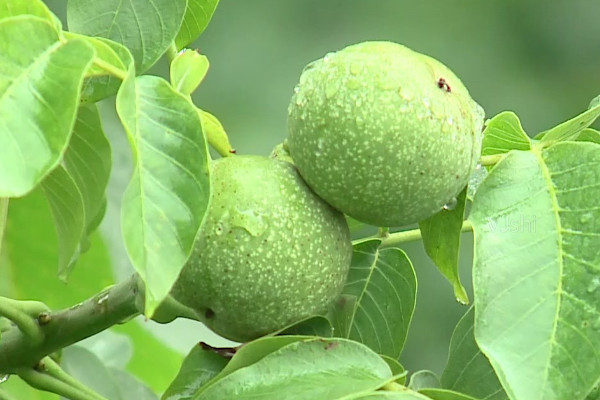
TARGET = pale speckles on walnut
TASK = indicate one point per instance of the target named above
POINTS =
(385, 147)
(283, 254)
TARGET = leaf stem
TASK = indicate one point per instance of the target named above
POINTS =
(46, 382)
(492, 159)
(396, 238)
(25, 322)
(112, 70)
(171, 52)
(65, 327)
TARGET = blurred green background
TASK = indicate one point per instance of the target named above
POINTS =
(540, 59)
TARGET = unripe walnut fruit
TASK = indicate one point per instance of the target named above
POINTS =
(270, 252)
(383, 133)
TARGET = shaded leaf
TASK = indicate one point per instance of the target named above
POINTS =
(441, 238)
(384, 285)
(166, 199)
(424, 379)
(536, 271)
(130, 387)
(68, 212)
(88, 161)
(445, 394)
(40, 79)
(569, 130)
(383, 395)
(397, 368)
(468, 370)
(315, 368)
(504, 133)
(28, 267)
(199, 367)
(589, 135)
(197, 16)
(312, 326)
(341, 313)
(145, 27)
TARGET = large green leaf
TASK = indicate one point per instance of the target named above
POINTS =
(468, 370)
(537, 271)
(441, 239)
(167, 197)
(504, 133)
(384, 284)
(40, 79)
(88, 161)
(445, 394)
(197, 16)
(311, 369)
(68, 211)
(145, 27)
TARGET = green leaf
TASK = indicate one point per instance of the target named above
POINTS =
(424, 379)
(215, 133)
(197, 16)
(441, 238)
(145, 27)
(99, 83)
(341, 314)
(88, 160)
(504, 133)
(445, 394)
(383, 395)
(66, 204)
(87, 368)
(311, 326)
(475, 180)
(37, 8)
(166, 199)
(188, 70)
(28, 270)
(468, 370)
(537, 271)
(397, 368)
(199, 367)
(112, 383)
(589, 135)
(315, 368)
(384, 284)
(3, 214)
(40, 79)
(569, 130)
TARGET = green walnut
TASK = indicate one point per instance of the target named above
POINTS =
(270, 252)
(383, 133)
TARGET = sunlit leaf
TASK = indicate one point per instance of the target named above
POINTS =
(311, 369)
(468, 370)
(197, 16)
(40, 79)
(569, 130)
(504, 133)
(537, 271)
(188, 70)
(441, 238)
(384, 285)
(166, 199)
(66, 204)
(145, 27)
(37, 8)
